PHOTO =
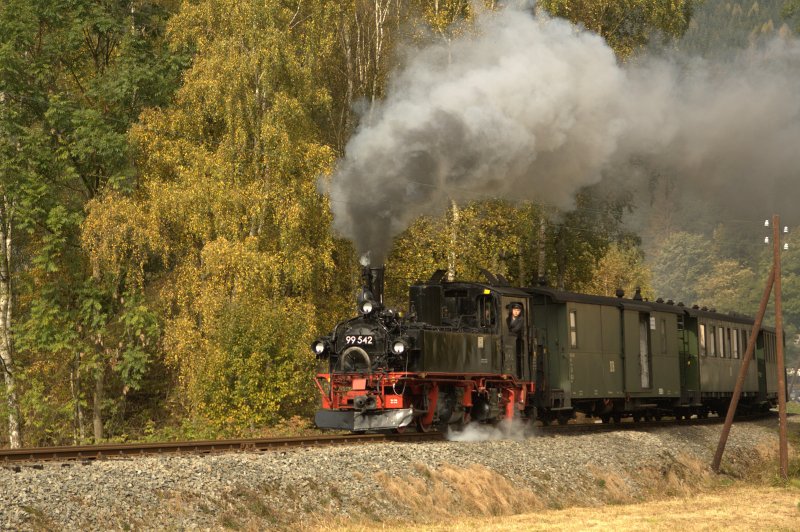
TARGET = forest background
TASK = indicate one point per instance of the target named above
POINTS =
(166, 257)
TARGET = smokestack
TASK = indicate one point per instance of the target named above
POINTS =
(372, 281)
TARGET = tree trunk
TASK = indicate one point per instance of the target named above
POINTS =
(79, 432)
(6, 343)
(541, 267)
(451, 253)
(97, 411)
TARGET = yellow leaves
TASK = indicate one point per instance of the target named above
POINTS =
(227, 211)
(621, 267)
(626, 25)
(118, 238)
(250, 364)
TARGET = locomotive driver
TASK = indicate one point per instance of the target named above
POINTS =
(516, 327)
(515, 321)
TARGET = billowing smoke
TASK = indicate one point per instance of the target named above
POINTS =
(528, 107)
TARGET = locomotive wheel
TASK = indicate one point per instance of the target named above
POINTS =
(425, 427)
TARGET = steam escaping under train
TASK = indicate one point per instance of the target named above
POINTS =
(460, 355)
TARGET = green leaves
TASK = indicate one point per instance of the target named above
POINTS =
(140, 334)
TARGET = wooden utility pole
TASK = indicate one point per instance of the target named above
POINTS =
(774, 280)
(776, 257)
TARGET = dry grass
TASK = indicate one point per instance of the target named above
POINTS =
(681, 478)
(733, 508)
(450, 492)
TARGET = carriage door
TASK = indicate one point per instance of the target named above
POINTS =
(515, 346)
(644, 347)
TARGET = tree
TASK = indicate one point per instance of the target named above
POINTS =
(231, 230)
(75, 74)
(623, 267)
(683, 260)
(626, 25)
(728, 287)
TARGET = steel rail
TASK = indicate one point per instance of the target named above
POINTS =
(116, 450)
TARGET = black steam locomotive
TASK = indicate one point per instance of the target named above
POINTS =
(460, 355)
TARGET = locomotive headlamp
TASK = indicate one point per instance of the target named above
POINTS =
(319, 347)
(367, 306)
(399, 347)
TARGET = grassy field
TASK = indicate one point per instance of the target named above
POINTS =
(731, 508)
(739, 507)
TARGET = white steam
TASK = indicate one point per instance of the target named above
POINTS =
(505, 430)
(532, 108)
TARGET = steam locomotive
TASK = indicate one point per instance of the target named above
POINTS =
(456, 358)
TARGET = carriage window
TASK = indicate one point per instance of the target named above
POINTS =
(728, 352)
(573, 328)
(744, 345)
(663, 336)
(702, 335)
(767, 349)
(735, 343)
(712, 341)
(721, 341)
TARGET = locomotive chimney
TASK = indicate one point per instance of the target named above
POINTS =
(372, 279)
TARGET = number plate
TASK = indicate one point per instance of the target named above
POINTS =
(359, 339)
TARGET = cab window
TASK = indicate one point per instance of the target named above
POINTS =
(487, 312)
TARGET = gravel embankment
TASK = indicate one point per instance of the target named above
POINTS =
(284, 488)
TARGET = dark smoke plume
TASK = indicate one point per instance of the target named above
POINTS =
(528, 107)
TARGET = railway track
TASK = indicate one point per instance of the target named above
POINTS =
(88, 453)
(119, 450)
